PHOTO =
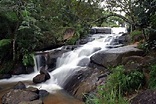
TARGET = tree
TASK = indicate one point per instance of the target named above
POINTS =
(145, 11)
(123, 7)
(29, 25)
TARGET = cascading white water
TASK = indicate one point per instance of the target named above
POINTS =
(69, 63)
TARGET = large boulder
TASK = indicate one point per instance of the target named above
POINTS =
(114, 57)
(84, 81)
(15, 96)
(146, 97)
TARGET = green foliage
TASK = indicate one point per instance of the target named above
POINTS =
(4, 42)
(136, 35)
(152, 81)
(126, 82)
(28, 60)
(117, 84)
(112, 21)
(144, 46)
(31, 25)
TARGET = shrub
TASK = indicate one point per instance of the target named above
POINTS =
(136, 35)
(117, 85)
(28, 60)
(152, 80)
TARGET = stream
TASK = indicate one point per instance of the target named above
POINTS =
(68, 64)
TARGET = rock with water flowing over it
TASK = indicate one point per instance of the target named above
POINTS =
(45, 72)
(146, 97)
(124, 39)
(52, 58)
(42, 77)
(114, 57)
(19, 85)
(15, 96)
(84, 81)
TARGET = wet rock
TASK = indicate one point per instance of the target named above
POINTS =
(32, 89)
(83, 62)
(30, 69)
(42, 77)
(32, 102)
(146, 97)
(39, 78)
(84, 81)
(124, 39)
(74, 81)
(19, 85)
(52, 58)
(83, 41)
(5, 76)
(45, 72)
(113, 57)
(15, 96)
(70, 47)
(50, 69)
(43, 93)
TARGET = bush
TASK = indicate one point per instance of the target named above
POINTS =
(117, 85)
(28, 60)
(152, 80)
(126, 82)
(136, 35)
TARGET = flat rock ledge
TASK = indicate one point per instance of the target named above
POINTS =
(114, 57)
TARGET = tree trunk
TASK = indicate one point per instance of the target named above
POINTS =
(14, 42)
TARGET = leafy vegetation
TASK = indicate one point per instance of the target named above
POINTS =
(136, 36)
(31, 25)
(152, 81)
(117, 85)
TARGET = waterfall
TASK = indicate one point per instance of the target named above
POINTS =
(69, 63)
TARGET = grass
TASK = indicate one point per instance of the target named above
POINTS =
(118, 84)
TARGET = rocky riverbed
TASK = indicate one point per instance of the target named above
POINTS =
(10, 93)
